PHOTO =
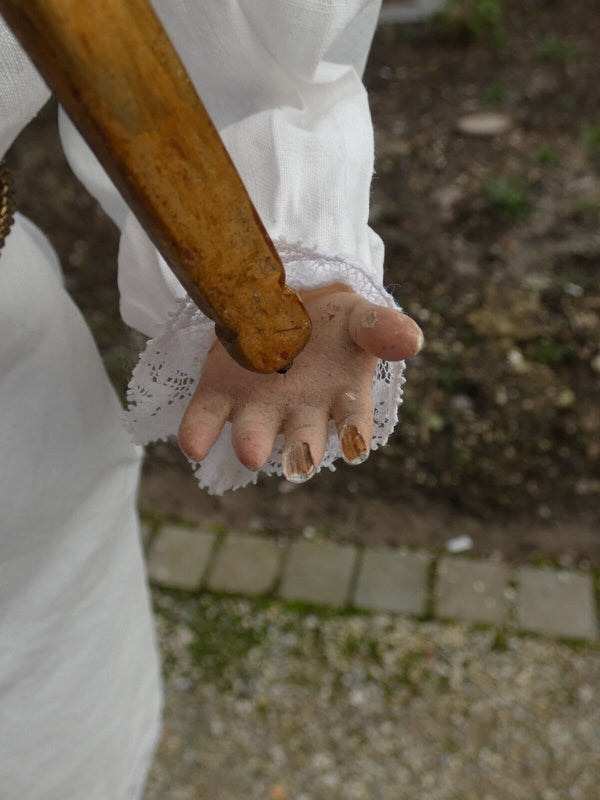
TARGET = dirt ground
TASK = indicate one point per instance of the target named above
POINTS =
(493, 245)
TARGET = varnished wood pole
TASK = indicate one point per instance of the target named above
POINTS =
(117, 75)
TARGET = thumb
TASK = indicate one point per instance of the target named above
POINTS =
(384, 332)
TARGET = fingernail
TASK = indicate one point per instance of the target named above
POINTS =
(369, 319)
(354, 449)
(297, 463)
(420, 340)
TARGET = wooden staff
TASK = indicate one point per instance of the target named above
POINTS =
(117, 75)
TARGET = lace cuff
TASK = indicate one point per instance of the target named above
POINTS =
(169, 368)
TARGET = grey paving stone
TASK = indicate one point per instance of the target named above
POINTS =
(474, 591)
(408, 12)
(391, 580)
(245, 565)
(318, 572)
(178, 557)
(556, 602)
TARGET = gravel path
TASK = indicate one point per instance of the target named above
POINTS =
(266, 701)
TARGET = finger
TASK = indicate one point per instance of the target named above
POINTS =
(202, 422)
(253, 435)
(384, 332)
(305, 431)
(353, 417)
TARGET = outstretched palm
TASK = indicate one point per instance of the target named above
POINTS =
(330, 379)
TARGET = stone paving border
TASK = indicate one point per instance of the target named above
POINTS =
(245, 564)
(318, 572)
(475, 591)
(179, 557)
(554, 602)
(393, 580)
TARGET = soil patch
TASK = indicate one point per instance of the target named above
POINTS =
(493, 245)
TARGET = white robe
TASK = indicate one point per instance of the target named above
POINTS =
(79, 679)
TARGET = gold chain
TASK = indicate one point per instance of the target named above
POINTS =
(7, 203)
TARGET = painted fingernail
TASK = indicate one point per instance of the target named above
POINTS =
(297, 463)
(354, 449)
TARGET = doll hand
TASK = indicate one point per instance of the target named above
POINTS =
(331, 378)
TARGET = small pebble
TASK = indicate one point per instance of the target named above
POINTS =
(459, 544)
(484, 123)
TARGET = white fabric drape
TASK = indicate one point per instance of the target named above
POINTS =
(79, 680)
(79, 677)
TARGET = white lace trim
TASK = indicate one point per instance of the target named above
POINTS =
(169, 368)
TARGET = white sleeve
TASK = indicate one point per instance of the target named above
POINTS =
(22, 91)
(281, 80)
